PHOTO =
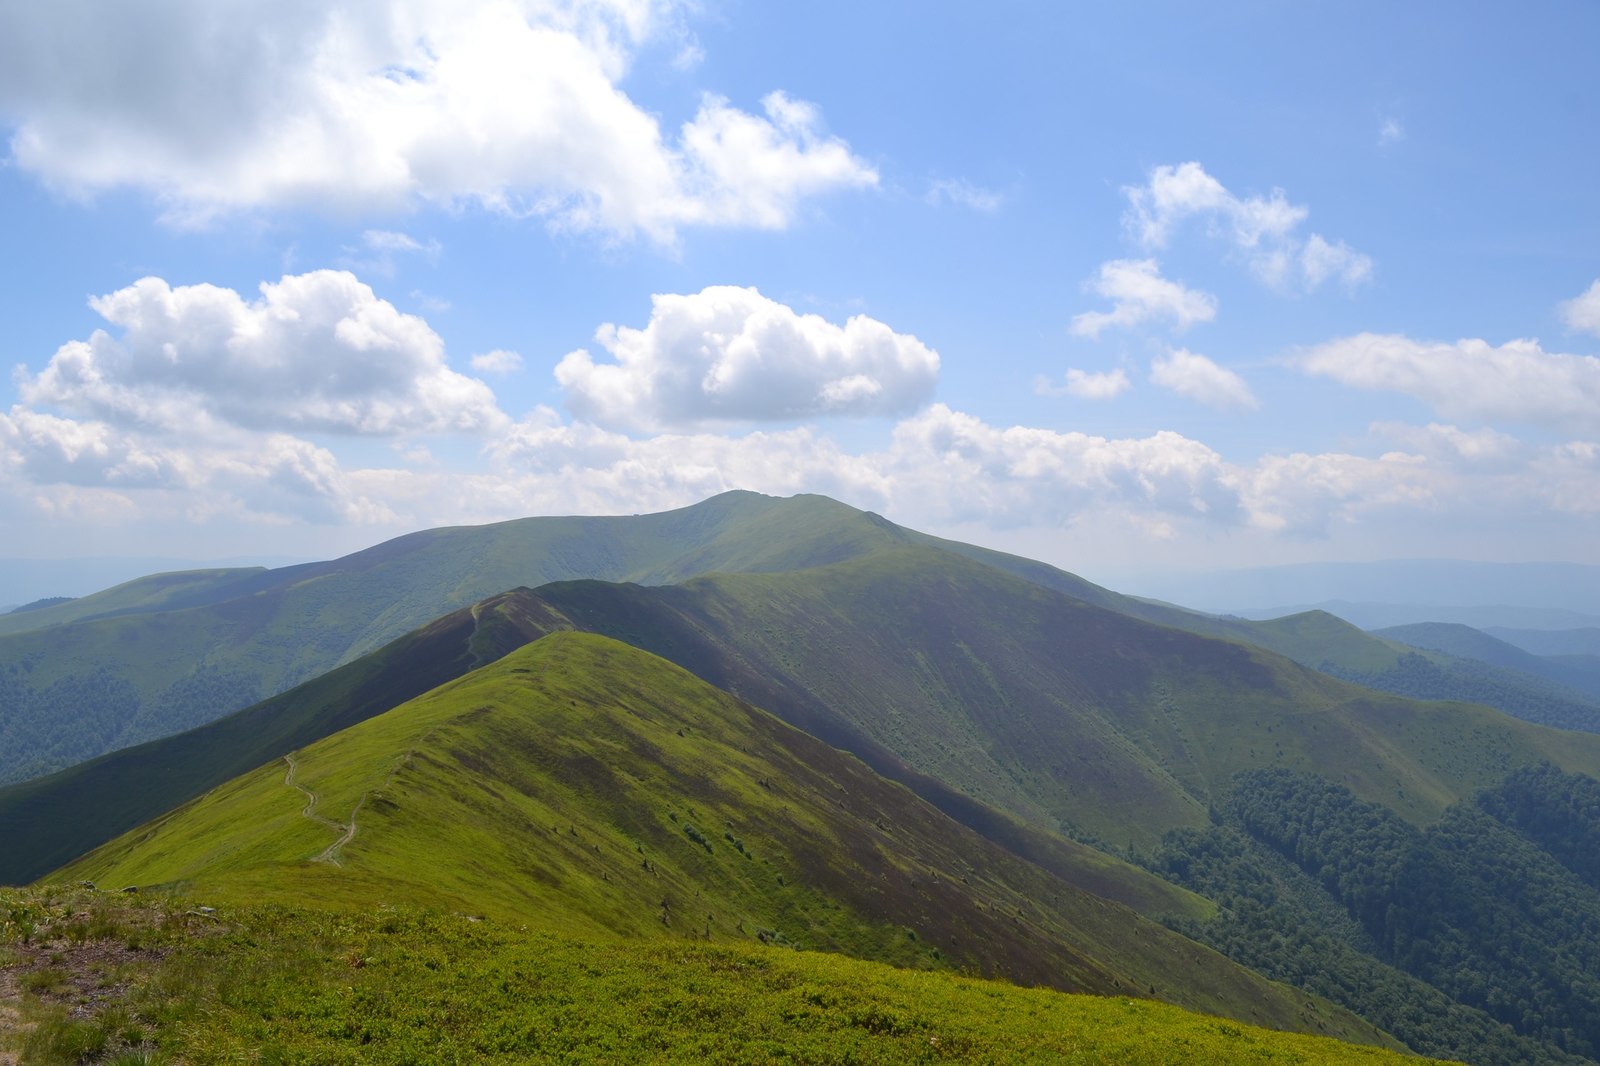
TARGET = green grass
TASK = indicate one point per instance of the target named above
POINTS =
(400, 985)
(587, 788)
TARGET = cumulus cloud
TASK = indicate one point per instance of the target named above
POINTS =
(966, 470)
(940, 468)
(1470, 379)
(316, 352)
(731, 354)
(944, 467)
(1482, 448)
(1190, 374)
(1304, 495)
(1138, 292)
(1176, 193)
(1103, 385)
(274, 477)
(1264, 229)
(509, 104)
(1583, 312)
(590, 467)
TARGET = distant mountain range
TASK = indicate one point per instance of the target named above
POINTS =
(25, 581)
(1383, 615)
(1426, 584)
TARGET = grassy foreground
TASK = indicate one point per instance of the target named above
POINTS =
(92, 977)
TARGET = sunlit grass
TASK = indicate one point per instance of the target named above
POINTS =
(277, 984)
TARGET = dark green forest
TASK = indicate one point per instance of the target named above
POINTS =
(106, 713)
(1475, 938)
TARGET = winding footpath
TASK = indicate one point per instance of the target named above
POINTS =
(347, 832)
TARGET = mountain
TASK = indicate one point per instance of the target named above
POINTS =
(1073, 717)
(28, 581)
(51, 820)
(1427, 583)
(961, 681)
(1583, 640)
(1578, 673)
(1014, 702)
(584, 787)
(168, 652)
(1377, 615)
(1424, 670)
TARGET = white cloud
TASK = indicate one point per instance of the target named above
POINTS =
(950, 464)
(730, 354)
(1482, 448)
(1138, 292)
(577, 465)
(1470, 379)
(515, 106)
(1265, 229)
(499, 361)
(1193, 375)
(1101, 385)
(740, 169)
(48, 449)
(939, 469)
(316, 352)
(1301, 495)
(1391, 132)
(272, 477)
(962, 193)
(1582, 312)
(1320, 260)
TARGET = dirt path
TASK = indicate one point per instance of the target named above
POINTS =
(331, 852)
(347, 832)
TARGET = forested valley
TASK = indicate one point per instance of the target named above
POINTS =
(1476, 938)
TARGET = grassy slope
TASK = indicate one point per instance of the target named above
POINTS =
(398, 986)
(50, 820)
(559, 786)
(1327, 643)
(1323, 641)
(1045, 706)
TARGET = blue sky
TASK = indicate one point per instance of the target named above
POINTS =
(1154, 286)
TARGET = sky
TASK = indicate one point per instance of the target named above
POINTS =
(1120, 287)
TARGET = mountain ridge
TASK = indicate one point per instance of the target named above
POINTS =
(582, 782)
